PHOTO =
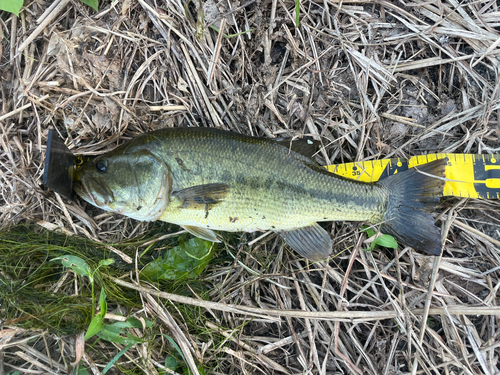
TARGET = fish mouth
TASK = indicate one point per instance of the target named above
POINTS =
(93, 190)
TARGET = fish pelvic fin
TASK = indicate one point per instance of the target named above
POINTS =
(312, 242)
(411, 195)
(203, 233)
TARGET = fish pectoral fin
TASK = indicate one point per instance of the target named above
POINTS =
(312, 242)
(200, 197)
(203, 233)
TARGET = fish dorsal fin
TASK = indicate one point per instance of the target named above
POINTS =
(201, 197)
(312, 242)
(203, 233)
(305, 146)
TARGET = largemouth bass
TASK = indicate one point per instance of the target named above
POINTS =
(205, 179)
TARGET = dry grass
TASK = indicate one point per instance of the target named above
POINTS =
(370, 79)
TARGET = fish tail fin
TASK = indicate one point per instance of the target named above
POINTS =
(411, 195)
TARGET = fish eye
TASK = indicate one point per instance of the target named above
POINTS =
(102, 166)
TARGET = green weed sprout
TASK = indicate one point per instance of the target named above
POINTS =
(384, 240)
(297, 13)
(115, 332)
(81, 267)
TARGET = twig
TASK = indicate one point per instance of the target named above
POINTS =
(46, 20)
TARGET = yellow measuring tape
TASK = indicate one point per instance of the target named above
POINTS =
(471, 176)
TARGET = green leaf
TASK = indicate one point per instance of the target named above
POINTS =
(92, 3)
(106, 262)
(187, 260)
(171, 363)
(136, 323)
(174, 344)
(115, 333)
(386, 240)
(148, 322)
(129, 323)
(297, 13)
(132, 323)
(81, 371)
(368, 230)
(77, 264)
(102, 301)
(12, 6)
(95, 326)
(115, 358)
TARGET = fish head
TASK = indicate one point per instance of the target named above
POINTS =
(136, 184)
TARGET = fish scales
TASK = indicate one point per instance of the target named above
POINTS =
(206, 179)
(270, 187)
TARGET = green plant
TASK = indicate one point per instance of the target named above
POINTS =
(172, 362)
(297, 13)
(91, 3)
(116, 332)
(379, 239)
(14, 6)
(185, 261)
(81, 267)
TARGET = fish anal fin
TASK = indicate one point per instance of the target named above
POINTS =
(312, 242)
(203, 233)
(201, 197)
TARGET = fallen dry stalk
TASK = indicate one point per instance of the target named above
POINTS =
(348, 316)
(48, 17)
